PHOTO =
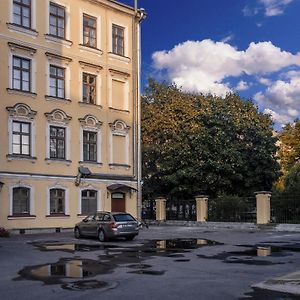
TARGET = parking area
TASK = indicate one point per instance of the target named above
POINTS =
(166, 262)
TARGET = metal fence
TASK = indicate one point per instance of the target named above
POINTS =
(285, 208)
(232, 209)
(183, 210)
(149, 210)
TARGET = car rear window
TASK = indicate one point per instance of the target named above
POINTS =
(123, 218)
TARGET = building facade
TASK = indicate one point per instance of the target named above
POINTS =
(69, 110)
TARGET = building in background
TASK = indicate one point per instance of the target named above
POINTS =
(69, 110)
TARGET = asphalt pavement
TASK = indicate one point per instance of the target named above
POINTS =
(163, 262)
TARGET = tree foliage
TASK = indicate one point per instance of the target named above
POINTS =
(289, 143)
(194, 143)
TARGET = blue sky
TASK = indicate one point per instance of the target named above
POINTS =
(251, 47)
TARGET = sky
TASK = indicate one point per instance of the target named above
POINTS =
(250, 47)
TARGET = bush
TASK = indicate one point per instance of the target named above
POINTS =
(4, 232)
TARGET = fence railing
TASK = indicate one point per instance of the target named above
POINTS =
(232, 209)
(148, 210)
(183, 210)
(285, 208)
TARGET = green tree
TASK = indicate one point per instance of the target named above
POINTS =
(194, 143)
(289, 147)
(292, 180)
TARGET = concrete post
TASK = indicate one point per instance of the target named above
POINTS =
(202, 208)
(263, 207)
(160, 209)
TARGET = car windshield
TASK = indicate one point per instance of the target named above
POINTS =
(123, 218)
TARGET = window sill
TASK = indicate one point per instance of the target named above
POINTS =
(90, 49)
(58, 40)
(90, 105)
(21, 216)
(52, 98)
(22, 93)
(95, 163)
(119, 57)
(119, 110)
(11, 157)
(57, 160)
(57, 216)
(113, 166)
(19, 28)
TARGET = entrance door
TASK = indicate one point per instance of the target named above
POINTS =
(118, 202)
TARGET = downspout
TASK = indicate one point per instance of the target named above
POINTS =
(140, 15)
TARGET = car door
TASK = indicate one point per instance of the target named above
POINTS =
(85, 225)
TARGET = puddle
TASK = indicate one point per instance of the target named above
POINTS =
(71, 247)
(88, 285)
(65, 268)
(259, 294)
(248, 256)
(147, 272)
(110, 259)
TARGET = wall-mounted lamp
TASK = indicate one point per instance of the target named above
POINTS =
(1, 185)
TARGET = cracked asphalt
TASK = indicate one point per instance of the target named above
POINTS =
(163, 262)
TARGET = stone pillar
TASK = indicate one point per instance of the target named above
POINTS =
(201, 206)
(263, 207)
(160, 209)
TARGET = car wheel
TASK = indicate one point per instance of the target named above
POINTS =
(129, 238)
(101, 236)
(77, 233)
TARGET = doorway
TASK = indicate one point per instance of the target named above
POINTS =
(118, 202)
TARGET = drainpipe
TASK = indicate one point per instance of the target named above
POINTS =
(140, 15)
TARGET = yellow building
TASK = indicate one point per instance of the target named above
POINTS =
(70, 109)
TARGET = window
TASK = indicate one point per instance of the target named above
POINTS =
(21, 201)
(21, 74)
(57, 201)
(57, 81)
(89, 146)
(89, 31)
(118, 39)
(21, 138)
(89, 88)
(57, 20)
(57, 142)
(22, 13)
(88, 202)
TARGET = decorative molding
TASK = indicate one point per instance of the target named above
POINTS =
(90, 121)
(58, 40)
(51, 56)
(120, 73)
(14, 46)
(119, 57)
(21, 110)
(97, 51)
(84, 64)
(22, 29)
(58, 116)
(22, 93)
(119, 127)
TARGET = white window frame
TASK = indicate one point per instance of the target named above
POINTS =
(99, 144)
(67, 78)
(67, 204)
(98, 24)
(66, 5)
(126, 37)
(32, 71)
(31, 200)
(67, 141)
(99, 198)
(33, 15)
(98, 85)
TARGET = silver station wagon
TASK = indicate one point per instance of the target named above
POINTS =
(106, 225)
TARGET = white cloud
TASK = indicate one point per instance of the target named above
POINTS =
(242, 86)
(280, 118)
(275, 7)
(264, 81)
(282, 97)
(202, 66)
